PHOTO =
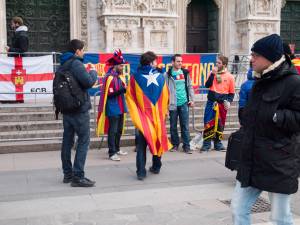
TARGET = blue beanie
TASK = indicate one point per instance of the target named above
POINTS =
(270, 47)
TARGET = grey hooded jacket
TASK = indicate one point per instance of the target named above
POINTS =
(172, 88)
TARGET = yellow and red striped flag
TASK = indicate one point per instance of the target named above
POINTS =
(147, 99)
(296, 63)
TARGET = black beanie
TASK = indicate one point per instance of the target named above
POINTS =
(270, 47)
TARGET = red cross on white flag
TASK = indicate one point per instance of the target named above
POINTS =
(25, 74)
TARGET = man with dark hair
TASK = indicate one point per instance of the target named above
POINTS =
(20, 39)
(77, 122)
(112, 106)
(221, 93)
(270, 147)
(147, 99)
(181, 98)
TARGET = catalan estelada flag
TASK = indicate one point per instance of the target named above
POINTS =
(296, 63)
(102, 119)
(147, 99)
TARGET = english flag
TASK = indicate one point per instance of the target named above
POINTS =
(20, 75)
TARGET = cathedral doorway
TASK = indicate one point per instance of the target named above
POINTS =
(202, 26)
(290, 20)
(48, 23)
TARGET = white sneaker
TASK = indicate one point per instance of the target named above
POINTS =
(122, 153)
(115, 157)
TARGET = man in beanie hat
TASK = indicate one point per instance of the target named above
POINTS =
(270, 147)
(112, 105)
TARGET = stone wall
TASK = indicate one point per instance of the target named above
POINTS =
(137, 25)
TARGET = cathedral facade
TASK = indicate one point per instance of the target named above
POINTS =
(164, 26)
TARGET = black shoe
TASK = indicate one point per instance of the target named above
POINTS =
(220, 148)
(67, 179)
(82, 182)
(139, 177)
(153, 170)
(187, 151)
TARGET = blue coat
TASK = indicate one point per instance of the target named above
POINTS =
(245, 89)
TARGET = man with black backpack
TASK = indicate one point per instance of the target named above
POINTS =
(71, 98)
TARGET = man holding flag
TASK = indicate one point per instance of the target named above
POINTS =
(112, 106)
(147, 98)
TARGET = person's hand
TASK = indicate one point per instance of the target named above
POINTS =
(6, 48)
(92, 67)
(214, 70)
(191, 104)
(226, 105)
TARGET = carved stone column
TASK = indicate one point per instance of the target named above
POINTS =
(256, 19)
(3, 33)
(180, 30)
(79, 20)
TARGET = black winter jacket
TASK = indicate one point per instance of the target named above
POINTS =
(84, 78)
(270, 150)
(20, 41)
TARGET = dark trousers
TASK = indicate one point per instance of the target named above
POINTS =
(141, 156)
(183, 113)
(114, 133)
(78, 124)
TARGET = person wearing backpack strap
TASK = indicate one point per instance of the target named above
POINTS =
(77, 122)
(112, 106)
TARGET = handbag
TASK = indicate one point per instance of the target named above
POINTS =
(234, 150)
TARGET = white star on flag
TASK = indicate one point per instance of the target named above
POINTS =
(151, 78)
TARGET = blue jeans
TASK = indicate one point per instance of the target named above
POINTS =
(79, 124)
(183, 113)
(114, 133)
(244, 198)
(141, 159)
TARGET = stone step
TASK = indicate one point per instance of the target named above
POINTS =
(55, 144)
(50, 116)
(48, 133)
(57, 124)
(40, 107)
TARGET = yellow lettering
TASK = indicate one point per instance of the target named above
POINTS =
(168, 66)
(187, 65)
(195, 75)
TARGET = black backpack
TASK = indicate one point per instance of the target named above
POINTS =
(68, 96)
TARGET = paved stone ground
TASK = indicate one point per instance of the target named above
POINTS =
(188, 191)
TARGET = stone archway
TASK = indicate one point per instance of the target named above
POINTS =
(202, 26)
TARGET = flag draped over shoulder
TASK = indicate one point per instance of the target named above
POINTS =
(147, 99)
(102, 119)
(296, 63)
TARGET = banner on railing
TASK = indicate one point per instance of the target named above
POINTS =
(21, 75)
(199, 66)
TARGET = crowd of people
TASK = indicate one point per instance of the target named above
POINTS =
(269, 111)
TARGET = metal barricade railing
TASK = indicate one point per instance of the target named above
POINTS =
(231, 114)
